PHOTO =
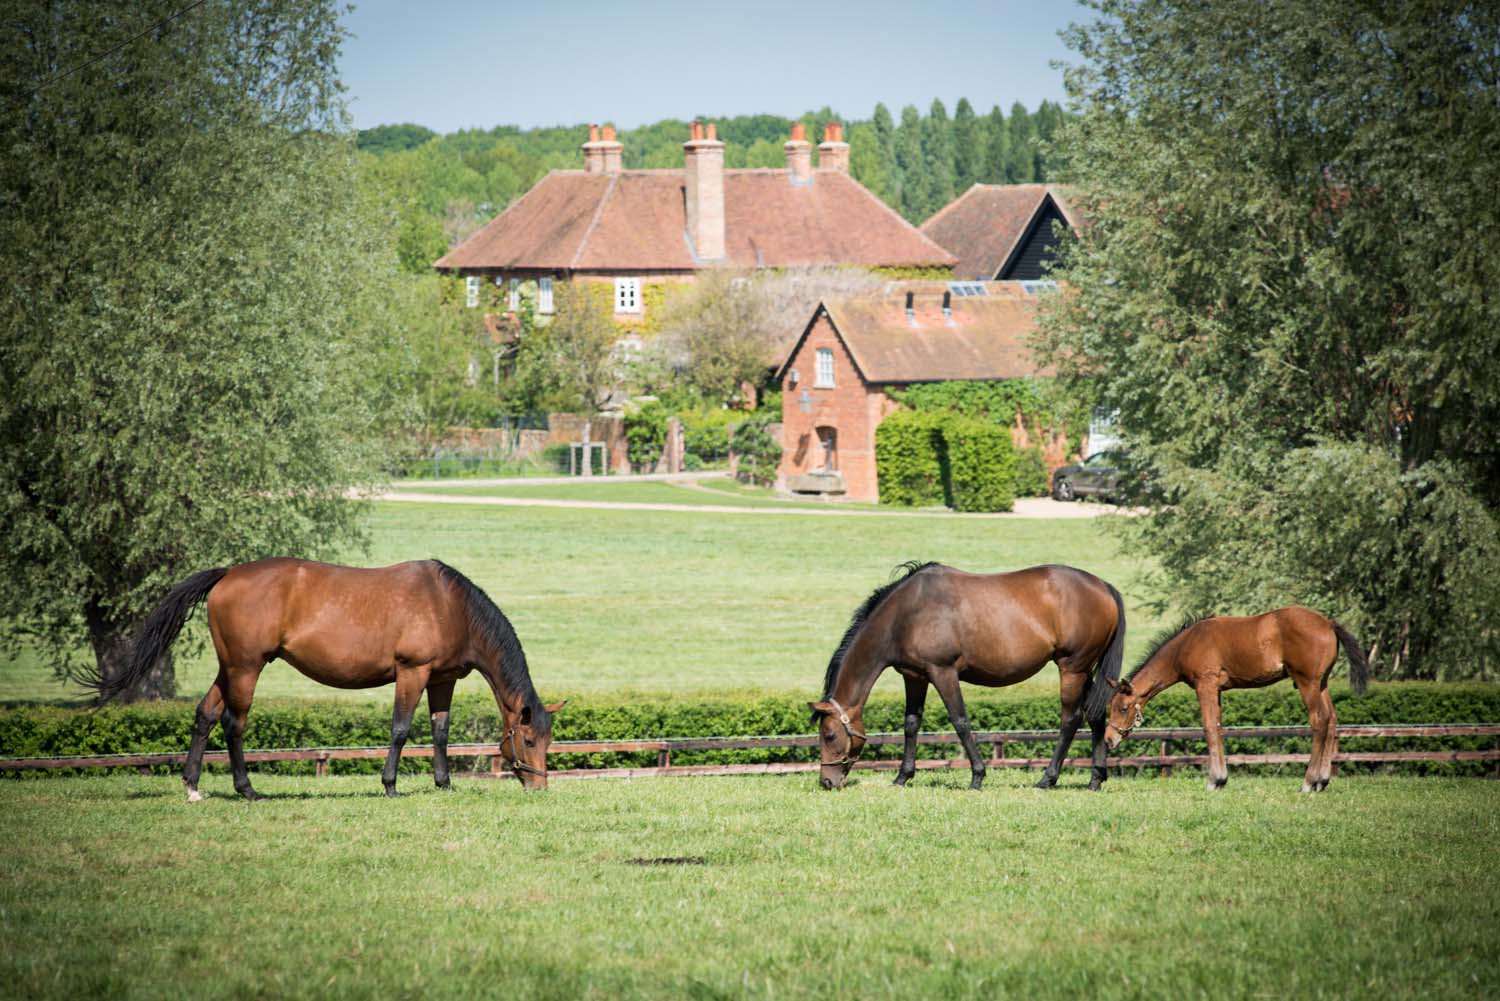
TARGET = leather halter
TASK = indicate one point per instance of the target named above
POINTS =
(1139, 718)
(849, 732)
(516, 764)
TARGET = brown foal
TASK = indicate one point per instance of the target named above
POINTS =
(938, 626)
(1246, 652)
(421, 625)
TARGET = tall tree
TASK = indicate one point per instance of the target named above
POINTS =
(916, 189)
(997, 153)
(187, 307)
(1020, 158)
(1287, 289)
(937, 150)
(885, 141)
(968, 146)
(865, 162)
(1048, 117)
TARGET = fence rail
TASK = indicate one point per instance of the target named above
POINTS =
(999, 741)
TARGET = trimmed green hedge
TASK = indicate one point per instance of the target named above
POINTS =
(30, 730)
(909, 459)
(937, 457)
(981, 465)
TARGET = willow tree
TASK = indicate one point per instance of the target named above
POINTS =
(1287, 286)
(186, 328)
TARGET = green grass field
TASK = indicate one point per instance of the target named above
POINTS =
(723, 492)
(605, 600)
(1383, 887)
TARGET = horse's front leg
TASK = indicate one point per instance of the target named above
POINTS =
(439, 701)
(410, 681)
(946, 682)
(1213, 732)
(916, 701)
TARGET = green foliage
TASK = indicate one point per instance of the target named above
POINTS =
(706, 431)
(645, 433)
(162, 727)
(909, 459)
(1031, 476)
(392, 138)
(197, 317)
(981, 465)
(758, 451)
(1286, 293)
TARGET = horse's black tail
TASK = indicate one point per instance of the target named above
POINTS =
(1359, 665)
(1096, 697)
(157, 633)
(861, 614)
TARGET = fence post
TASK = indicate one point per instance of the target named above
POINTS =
(664, 757)
(321, 767)
(495, 762)
(1166, 749)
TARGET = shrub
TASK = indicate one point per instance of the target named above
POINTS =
(909, 459)
(758, 452)
(981, 465)
(645, 433)
(1030, 477)
(705, 432)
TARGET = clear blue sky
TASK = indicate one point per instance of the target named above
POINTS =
(451, 64)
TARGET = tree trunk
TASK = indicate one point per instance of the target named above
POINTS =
(112, 643)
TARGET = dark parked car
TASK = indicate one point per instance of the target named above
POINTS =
(1098, 475)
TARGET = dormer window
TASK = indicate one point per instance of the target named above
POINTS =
(627, 295)
(824, 379)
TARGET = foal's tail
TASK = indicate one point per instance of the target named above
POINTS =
(1359, 666)
(1096, 697)
(157, 633)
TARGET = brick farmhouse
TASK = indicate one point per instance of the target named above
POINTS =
(1002, 232)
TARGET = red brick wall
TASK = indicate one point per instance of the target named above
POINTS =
(851, 407)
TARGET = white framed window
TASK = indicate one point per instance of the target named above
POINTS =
(471, 291)
(824, 378)
(513, 297)
(544, 295)
(627, 295)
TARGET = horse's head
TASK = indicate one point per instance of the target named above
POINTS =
(841, 738)
(1124, 712)
(525, 741)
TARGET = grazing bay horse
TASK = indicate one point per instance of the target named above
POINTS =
(939, 626)
(422, 625)
(1250, 651)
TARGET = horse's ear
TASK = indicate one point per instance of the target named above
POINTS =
(1112, 683)
(820, 707)
(525, 716)
(556, 706)
(1127, 687)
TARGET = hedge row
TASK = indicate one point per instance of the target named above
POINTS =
(31, 731)
(924, 458)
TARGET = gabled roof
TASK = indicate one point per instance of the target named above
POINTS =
(984, 338)
(636, 220)
(985, 226)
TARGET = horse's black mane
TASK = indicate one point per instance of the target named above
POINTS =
(862, 613)
(494, 629)
(1161, 639)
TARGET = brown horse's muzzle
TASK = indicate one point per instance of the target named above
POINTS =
(1112, 737)
(833, 776)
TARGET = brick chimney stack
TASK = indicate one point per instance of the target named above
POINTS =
(833, 152)
(601, 154)
(703, 156)
(798, 155)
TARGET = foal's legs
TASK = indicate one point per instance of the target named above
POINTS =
(410, 681)
(1324, 723)
(1071, 684)
(916, 700)
(236, 710)
(439, 699)
(209, 711)
(946, 682)
(1208, 704)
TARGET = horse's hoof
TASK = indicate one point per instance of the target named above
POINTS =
(250, 795)
(1046, 783)
(976, 785)
(445, 787)
(194, 796)
(1214, 785)
(1095, 785)
(901, 780)
(391, 793)
(1307, 787)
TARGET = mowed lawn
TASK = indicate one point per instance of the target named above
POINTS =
(1383, 887)
(686, 601)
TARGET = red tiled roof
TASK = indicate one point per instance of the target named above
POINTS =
(985, 338)
(983, 226)
(636, 220)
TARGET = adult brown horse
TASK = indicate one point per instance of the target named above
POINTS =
(939, 626)
(422, 625)
(1251, 651)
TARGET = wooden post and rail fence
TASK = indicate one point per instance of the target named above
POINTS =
(1002, 744)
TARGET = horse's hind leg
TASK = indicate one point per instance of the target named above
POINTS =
(946, 682)
(1100, 755)
(209, 711)
(916, 700)
(1071, 685)
(410, 681)
(1324, 723)
(1208, 704)
(237, 699)
(439, 701)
